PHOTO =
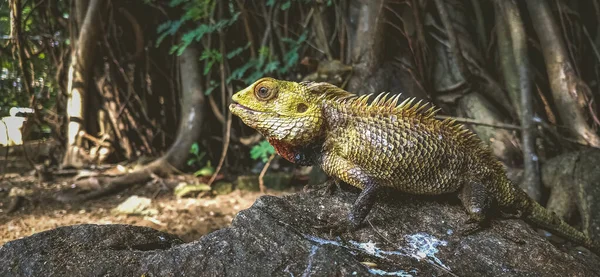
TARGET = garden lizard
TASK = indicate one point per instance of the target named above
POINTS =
(380, 143)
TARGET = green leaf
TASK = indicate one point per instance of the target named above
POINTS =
(237, 51)
(175, 3)
(207, 170)
(286, 5)
(194, 149)
(262, 151)
(239, 72)
(210, 89)
(272, 66)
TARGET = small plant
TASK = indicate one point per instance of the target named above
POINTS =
(196, 161)
(262, 151)
(206, 170)
(195, 156)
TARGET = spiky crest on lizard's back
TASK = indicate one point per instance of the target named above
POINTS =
(385, 105)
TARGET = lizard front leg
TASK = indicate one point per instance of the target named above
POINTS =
(352, 174)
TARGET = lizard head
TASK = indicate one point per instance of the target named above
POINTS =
(285, 111)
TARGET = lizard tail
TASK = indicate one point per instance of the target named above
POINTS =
(548, 220)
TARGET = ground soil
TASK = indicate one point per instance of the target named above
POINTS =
(189, 218)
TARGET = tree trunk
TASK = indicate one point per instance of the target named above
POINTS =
(192, 108)
(79, 76)
(366, 42)
(567, 88)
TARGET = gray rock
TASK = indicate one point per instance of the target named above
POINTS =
(276, 237)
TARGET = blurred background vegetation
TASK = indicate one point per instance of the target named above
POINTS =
(123, 81)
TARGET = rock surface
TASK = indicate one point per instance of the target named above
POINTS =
(276, 237)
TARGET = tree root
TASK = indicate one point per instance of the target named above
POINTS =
(93, 188)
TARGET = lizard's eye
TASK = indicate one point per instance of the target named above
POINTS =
(263, 92)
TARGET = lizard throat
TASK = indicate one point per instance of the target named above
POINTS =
(301, 155)
(285, 150)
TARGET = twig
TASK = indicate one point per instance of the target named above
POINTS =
(224, 88)
(247, 28)
(131, 91)
(267, 18)
(549, 113)
(556, 134)
(138, 34)
(277, 32)
(341, 21)
(531, 180)
(420, 48)
(482, 123)
(223, 152)
(592, 44)
(591, 109)
(261, 181)
(215, 109)
(454, 44)
(252, 139)
(565, 31)
(480, 22)
(99, 142)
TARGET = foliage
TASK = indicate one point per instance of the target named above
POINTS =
(194, 10)
(202, 12)
(264, 65)
(196, 155)
(196, 160)
(262, 151)
(12, 90)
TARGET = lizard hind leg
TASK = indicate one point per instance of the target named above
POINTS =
(476, 201)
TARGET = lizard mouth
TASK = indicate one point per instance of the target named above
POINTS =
(242, 111)
(238, 109)
(239, 106)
